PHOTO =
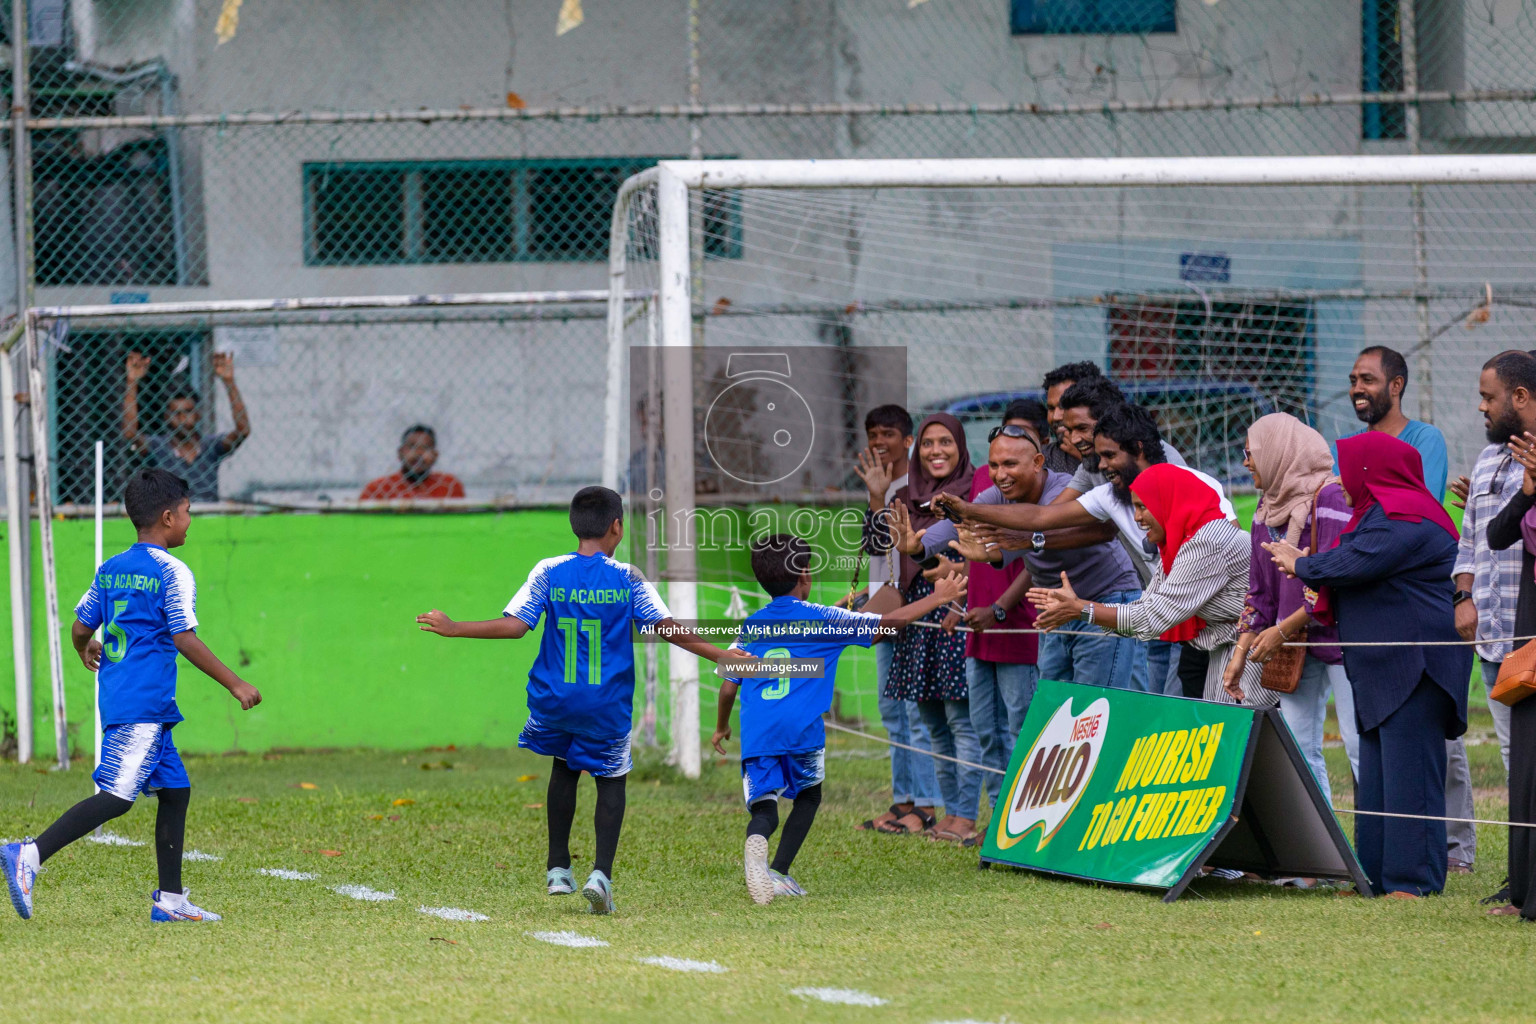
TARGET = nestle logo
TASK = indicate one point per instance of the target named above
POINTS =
(1205, 266)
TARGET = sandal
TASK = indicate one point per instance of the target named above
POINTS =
(952, 835)
(892, 813)
(925, 820)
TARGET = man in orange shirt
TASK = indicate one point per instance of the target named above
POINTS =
(415, 481)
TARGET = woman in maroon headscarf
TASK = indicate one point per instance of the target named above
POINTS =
(1389, 579)
(928, 665)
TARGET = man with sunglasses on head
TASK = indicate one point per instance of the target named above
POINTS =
(1088, 552)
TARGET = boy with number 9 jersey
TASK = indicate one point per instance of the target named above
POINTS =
(783, 740)
(581, 689)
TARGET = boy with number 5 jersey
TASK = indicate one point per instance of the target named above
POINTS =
(581, 689)
(147, 600)
(783, 740)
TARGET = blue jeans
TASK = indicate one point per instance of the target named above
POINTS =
(1304, 712)
(1079, 658)
(1344, 707)
(999, 696)
(1163, 663)
(912, 776)
(949, 727)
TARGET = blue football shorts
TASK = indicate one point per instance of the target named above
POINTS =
(139, 758)
(770, 776)
(606, 758)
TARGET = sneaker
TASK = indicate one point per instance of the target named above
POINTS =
(783, 885)
(177, 907)
(560, 881)
(599, 893)
(759, 881)
(20, 876)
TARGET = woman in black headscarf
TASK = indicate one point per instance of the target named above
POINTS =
(928, 665)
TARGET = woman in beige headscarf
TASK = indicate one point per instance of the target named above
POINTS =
(1293, 467)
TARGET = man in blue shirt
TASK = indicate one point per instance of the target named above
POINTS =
(581, 689)
(783, 740)
(1376, 385)
(147, 600)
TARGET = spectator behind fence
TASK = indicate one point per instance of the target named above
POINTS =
(1389, 581)
(1514, 529)
(928, 665)
(1195, 595)
(1061, 456)
(1292, 466)
(415, 481)
(182, 451)
(1376, 386)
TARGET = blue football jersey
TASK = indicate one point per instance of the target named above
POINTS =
(782, 716)
(144, 597)
(583, 680)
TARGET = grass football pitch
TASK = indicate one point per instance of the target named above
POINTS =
(903, 920)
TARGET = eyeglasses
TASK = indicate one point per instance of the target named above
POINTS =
(1012, 430)
(1248, 454)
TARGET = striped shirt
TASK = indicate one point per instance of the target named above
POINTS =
(1209, 579)
(1495, 574)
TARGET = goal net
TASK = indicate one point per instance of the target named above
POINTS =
(1212, 290)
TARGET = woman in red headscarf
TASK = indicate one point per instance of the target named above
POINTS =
(1389, 579)
(1196, 594)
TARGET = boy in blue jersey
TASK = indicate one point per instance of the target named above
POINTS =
(581, 689)
(783, 741)
(147, 600)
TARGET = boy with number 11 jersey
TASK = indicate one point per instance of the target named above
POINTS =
(581, 689)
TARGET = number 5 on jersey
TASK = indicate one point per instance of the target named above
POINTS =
(117, 640)
(571, 629)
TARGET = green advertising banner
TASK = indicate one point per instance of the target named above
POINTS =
(1142, 789)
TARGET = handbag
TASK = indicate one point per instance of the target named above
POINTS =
(1517, 676)
(1282, 672)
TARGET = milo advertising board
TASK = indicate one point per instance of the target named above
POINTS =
(1141, 789)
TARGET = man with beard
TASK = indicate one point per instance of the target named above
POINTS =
(1376, 385)
(415, 481)
(1019, 476)
(1487, 580)
(183, 450)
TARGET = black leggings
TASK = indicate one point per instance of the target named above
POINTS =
(95, 811)
(765, 818)
(560, 810)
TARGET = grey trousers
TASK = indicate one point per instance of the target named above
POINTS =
(1460, 836)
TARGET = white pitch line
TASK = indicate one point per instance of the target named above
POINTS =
(571, 939)
(362, 892)
(200, 855)
(673, 963)
(453, 914)
(288, 874)
(112, 839)
(843, 996)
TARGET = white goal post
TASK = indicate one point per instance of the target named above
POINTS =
(671, 191)
(317, 313)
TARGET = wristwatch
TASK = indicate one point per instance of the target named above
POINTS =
(998, 613)
(1037, 542)
(1460, 596)
(1088, 612)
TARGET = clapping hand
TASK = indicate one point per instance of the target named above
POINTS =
(1523, 448)
(1055, 606)
(1285, 555)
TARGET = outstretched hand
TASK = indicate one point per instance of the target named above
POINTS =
(875, 474)
(971, 547)
(950, 588)
(906, 540)
(1285, 555)
(1055, 606)
(435, 621)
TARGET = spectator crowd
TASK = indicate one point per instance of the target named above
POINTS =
(1097, 554)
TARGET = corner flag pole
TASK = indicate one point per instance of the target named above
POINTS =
(97, 679)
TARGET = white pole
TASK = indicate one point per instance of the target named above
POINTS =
(677, 433)
(1112, 172)
(618, 266)
(40, 442)
(100, 511)
(18, 531)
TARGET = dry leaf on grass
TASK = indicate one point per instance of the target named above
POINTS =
(527, 778)
(437, 938)
(403, 802)
(330, 853)
(1103, 926)
(246, 800)
(532, 807)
